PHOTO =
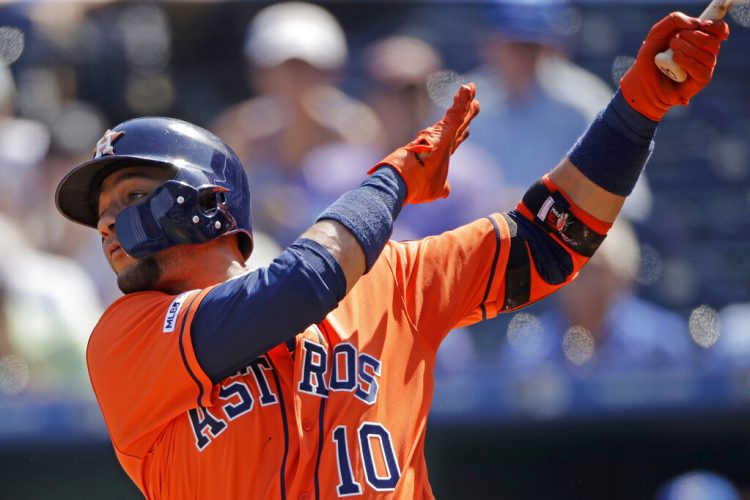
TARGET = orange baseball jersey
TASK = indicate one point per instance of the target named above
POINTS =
(342, 413)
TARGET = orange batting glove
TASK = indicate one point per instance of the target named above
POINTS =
(423, 163)
(695, 44)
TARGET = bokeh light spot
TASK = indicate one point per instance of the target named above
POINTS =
(441, 86)
(704, 326)
(14, 374)
(741, 14)
(11, 44)
(578, 345)
(525, 333)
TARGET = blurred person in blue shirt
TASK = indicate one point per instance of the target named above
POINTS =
(535, 100)
(530, 122)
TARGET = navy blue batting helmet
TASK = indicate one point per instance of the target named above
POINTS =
(206, 196)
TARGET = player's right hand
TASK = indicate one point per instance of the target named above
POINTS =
(423, 163)
(695, 44)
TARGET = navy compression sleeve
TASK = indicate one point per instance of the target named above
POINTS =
(369, 212)
(244, 317)
(615, 148)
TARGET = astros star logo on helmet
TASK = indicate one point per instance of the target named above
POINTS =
(105, 145)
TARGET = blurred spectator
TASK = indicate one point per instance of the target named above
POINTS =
(535, 101)
(120, 53)
(48, 303)
(45, 128)
(295, 51)
(399, 68)
(528, 123)
(23, 143)
(49, 306)
(698, 485)
(598, 323)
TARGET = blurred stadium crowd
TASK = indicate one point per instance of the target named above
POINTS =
(310, 96)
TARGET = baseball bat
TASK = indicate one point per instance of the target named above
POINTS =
(717, 9)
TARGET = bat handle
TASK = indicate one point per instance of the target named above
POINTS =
(717, 9)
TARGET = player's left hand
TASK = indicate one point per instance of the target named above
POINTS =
(423, 163)
(695, 44)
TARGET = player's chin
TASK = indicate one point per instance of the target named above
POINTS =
(140, 275)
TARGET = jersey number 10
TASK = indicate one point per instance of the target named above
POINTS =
(366, 433)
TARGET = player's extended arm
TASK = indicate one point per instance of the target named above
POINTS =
(646, 90)
(562, 219)
(242, 318)
(506, 261)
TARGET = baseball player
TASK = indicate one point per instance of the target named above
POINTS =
(312, 378)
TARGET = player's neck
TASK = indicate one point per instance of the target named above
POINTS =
(199, 266)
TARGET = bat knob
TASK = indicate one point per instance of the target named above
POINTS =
(666, 64)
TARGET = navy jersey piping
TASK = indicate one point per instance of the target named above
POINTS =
(182, 352)
(321, 427)
(321, 330)
(285, 426)
(492, 269)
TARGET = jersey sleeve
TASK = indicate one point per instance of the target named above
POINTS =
(454, 279)
(500, 263)
(143, 369)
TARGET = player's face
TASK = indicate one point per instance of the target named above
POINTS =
(119, 190)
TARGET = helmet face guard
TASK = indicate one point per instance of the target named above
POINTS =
(206, 175)
(176, 213)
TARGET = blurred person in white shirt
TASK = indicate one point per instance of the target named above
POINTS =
(295, 53)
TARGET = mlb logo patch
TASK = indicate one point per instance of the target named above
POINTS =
(170, 320)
